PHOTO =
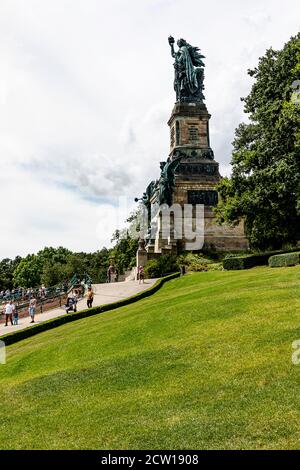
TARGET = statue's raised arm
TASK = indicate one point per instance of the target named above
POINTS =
(171, 42)
(189, 72)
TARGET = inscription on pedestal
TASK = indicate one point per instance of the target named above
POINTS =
(206, 197)
(197, 169)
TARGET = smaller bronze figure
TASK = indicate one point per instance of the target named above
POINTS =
(166, 182)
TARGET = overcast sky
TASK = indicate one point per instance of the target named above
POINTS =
(86, 89)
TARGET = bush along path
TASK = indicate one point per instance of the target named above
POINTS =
(107, 297)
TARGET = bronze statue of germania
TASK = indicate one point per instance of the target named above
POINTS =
(189, 71)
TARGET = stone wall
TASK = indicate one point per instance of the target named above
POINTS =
(219, 237)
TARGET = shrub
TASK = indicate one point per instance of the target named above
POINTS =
(241, 262)
(198, 262)
(248, 261)
(287, 259)
(169, 264)
(152, 269)
(165, 264)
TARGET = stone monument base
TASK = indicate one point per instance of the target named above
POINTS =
(188, 186)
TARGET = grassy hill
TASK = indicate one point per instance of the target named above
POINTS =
(204, 363)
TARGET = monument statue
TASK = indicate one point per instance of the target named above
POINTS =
(146, 198)
(189, 71)
(166, 182)
(164, 186)
(188, 176)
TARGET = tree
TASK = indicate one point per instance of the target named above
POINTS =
(264, 188)
(53, 274)
(124, 253)
(52, 266)
(7, 267)
(28, 272)
(54, 255)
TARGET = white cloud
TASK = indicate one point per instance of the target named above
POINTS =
(85, 95)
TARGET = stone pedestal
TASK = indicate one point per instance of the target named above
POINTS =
(141, 254)
(189, 129)
(195, 182)
(197, 177)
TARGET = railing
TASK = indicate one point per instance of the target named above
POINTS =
(52, 300)
(87, 279)
(84, 281)
(27, 294)
(48, 297)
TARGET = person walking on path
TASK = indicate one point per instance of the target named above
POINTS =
(15, 315)
(8, 310)
(90, 297)
(76, 296)
(32, 308)
(141, 274)
(71, 305)
(110, 271)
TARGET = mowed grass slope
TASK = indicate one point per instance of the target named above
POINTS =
(205, 363)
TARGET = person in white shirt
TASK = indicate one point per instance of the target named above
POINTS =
(9, 308)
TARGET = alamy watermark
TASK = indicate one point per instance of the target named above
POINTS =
(172, 223)
(156, 222)
(296, 353)
(2, 353)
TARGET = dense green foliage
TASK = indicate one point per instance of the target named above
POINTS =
(195, 262)
(124, 251)
(287, 259)
(246, 261)
(249, 260)
(28, 272)
(264, 188)
(205, 363)
(52, 266)
(7, 269)
(161, 266)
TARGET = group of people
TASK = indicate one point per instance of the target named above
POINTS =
(112, 274)
(10, 310)
(21, 293)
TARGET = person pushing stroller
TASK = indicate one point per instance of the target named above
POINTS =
(71, 305)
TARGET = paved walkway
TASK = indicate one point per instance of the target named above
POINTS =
(103, 294)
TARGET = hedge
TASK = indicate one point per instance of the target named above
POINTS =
(251, 260)
(286, 259)
(17, 336)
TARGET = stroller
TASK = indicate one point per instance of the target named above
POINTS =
(71, 305)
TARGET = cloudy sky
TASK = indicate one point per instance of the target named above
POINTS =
(86, 89)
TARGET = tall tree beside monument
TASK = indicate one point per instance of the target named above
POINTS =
(264, 188)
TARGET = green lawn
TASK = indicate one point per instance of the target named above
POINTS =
(205, 363)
